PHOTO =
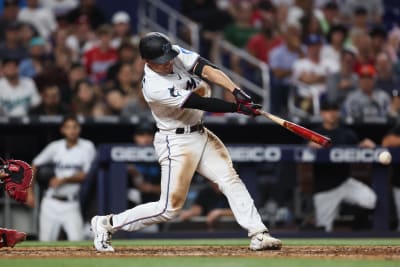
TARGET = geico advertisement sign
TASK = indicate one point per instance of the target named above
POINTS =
(249, 154)
(146, 154)
(255, 154)
(365, 155)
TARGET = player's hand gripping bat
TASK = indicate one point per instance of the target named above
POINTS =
(299, 130)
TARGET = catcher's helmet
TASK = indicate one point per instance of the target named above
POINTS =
(157, 48)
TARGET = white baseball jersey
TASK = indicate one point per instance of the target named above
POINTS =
(166, 94)
(16, 101)
(67, 162)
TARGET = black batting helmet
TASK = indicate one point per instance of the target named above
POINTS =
(157, 48)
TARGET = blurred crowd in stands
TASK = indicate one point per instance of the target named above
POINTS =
(62, 57)
(316, 50)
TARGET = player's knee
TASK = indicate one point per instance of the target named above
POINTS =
(229, 181)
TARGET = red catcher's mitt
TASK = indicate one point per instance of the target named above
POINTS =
(18, 180)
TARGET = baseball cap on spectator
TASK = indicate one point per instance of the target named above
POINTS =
(313, 39)
(7, 3)
(329, 105)
(367, 71)
(37, 41)
(120, 17)
(360, 10)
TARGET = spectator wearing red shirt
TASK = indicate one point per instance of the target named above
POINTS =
(260, 44)
(98, 59)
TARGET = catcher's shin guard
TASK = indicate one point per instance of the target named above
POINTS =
(9, 237)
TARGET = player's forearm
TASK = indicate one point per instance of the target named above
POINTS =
(219, 78)
(209, 104)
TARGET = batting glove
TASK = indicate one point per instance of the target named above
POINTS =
(249, 109)
(241, 96)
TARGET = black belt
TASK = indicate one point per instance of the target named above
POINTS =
(64, 198)
(195, 128)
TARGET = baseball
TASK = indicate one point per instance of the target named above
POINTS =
(385, 158)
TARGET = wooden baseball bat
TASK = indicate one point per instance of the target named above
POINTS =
(299, 130)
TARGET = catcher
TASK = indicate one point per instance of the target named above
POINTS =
(16, 178)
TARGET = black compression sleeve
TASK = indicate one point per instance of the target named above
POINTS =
(199, 65)
(208, 104)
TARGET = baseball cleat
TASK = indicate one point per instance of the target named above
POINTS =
(264, 241)
(9, 237)
(101, 228)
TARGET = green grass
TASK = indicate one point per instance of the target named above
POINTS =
(204, 261)
(194, 262)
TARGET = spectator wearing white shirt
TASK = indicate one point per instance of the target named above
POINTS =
(43, 19)
(17, 94)
(71, 158)
(59, 7)
(312, 70)
(308, 78)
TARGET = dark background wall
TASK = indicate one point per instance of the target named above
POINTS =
(19, 140)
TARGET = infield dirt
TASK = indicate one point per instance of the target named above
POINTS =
(336, 252)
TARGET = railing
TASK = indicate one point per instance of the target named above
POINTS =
(262, 89)
(151, 14)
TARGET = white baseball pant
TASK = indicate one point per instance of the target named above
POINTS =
(55, 214)
(180, 156)
(351, 191)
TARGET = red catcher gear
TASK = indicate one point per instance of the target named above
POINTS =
(9, 237)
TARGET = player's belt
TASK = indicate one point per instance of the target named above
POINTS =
(195, 128)
(65, 198)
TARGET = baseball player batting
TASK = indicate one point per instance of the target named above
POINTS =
(173, 87)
